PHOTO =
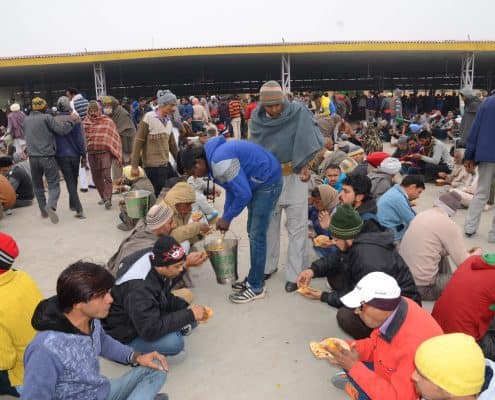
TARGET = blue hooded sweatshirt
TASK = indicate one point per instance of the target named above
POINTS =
(240, 167)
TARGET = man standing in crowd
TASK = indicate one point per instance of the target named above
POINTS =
(62, 360)
(144, 313)
(126, 128)
(359, 253)
(380, 367)
(252, 178)
(154, 141)
(235, 116)
(471, 106)
(40, 129)
(290, 132)
(103, 142)
(394, 207)
(20, 296)
(138, 113)
(71, 152)
(20, 181)
(431, 238)
(14, 127)
(480, 149)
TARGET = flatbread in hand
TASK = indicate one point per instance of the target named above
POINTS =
(319, 351)
(208, 314)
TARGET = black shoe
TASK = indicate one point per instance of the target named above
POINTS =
(92, 186)
(290, 287)
(84, 190)
(469, 234)
(161, 396)
(268, 276)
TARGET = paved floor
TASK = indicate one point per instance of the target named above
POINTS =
(257, 350)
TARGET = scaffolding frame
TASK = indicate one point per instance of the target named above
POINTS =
(100, 81)
(467, 71)
(286, 73)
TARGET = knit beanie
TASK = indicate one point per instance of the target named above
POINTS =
(390, 166)
(158, 215)
(165, 97)
(38, 104)
(347, 165)
(451, 200)
(454, 362)
(15, 107)
(8, 251)
(167, 251)
(376, 158)
(346, 223)
(355, 150)
(271, 93)
(63, 104)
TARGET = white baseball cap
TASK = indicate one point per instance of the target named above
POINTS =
(375, 285)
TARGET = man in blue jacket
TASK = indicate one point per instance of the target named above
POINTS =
(252, 178)
(480, 149)
(394, 207)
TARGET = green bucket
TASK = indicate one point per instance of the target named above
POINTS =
(137, 203)
(224, 262)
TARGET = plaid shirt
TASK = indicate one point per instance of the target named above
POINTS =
(102, 135)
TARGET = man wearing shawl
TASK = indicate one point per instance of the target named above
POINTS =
(14, 127)
(103, 145)
(291, 133)
(125, 127)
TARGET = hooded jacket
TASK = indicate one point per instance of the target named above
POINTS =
(62, 362)
(182, 192)
(240, 167)
(470, 292)
(370, 252)
(142, 303)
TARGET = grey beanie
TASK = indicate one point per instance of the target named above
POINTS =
(63, 104)
(165, 97)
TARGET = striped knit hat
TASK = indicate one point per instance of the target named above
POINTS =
(346, 223)
(271, 94)
(158, 215)
(8, 251)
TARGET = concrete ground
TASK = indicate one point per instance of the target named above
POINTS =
(257, 350)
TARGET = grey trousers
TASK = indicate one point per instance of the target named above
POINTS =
(433, 292)
(471, 224)
(48, 167)
(294, 201)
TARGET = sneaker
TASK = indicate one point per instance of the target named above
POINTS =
(240, 286)
(101, 202)
(84, 190)
(52, 214)
(469, 234)
(108, 204)
(340, 380)
(80, 215)
(186, 330)
(124, 227)
(92, 186)
(246, 295)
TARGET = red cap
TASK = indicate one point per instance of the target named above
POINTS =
(8, 250)
(376, 158)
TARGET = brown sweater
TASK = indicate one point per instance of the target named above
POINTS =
(153, 142)
(7, 193)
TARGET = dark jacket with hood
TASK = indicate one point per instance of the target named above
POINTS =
(370, 252)
(143, 305)
(471, 106)
(62, 362)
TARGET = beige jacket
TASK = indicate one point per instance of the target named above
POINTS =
(431, 235)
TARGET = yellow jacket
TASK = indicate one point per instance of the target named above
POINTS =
(19, 296)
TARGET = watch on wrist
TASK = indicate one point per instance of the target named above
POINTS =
(133, 359)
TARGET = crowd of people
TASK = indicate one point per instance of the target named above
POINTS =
(304, 157)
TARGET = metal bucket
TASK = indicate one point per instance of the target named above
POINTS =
(137, 203)
(224, 262)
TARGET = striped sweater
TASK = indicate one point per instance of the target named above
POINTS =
(235, 109)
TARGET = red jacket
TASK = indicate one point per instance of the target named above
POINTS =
(249, 109)
(392, 354)
(465, 301)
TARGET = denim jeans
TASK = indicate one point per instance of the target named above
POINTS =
(70, 170)
(362, 394)
(138, 384)
(260, 210)
(48, 167)
(168, 345)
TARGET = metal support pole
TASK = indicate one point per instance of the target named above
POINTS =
(100, 81)
(286, 73)
(467, 71)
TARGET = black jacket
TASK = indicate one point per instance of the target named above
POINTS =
(145, 307)
(370, 252)
(367, 211)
